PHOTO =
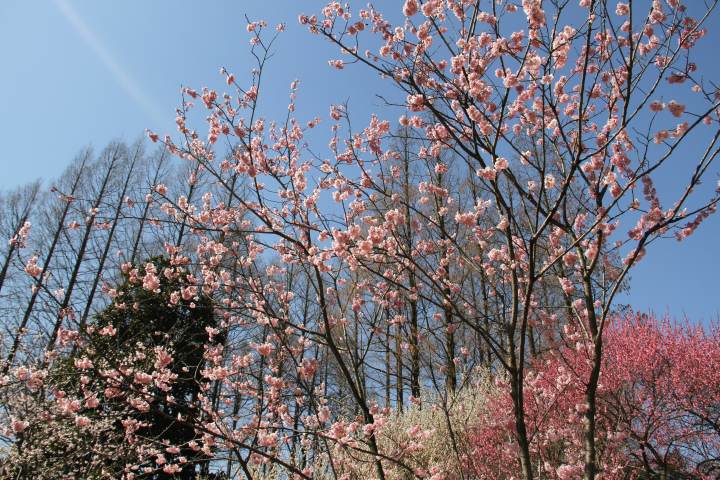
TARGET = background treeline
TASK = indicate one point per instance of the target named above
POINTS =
(83, 225)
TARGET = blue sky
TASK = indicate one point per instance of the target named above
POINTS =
(89, 71)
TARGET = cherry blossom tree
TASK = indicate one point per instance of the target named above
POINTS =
(586, 84)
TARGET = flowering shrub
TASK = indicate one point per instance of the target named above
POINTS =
(429, 438)
(658, 407)
(104, 413)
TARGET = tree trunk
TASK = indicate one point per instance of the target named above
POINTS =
(46, 265)
(62, 311)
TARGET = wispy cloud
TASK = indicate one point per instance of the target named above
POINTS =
(126, 81)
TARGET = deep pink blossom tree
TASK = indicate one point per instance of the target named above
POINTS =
(658, 407)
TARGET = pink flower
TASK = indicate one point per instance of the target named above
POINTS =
(569, 472)
(468, 219)
(535, 15)
(661, 136)
(267, 439)
(138, 404)
(495, 254)
(567, 286)
(18, 425)
(488, 173)
(83, 363)
(82, 421)
(501, 163)
(264, 349)
(675, 108)
(143, 378)
(657, 106)
(415, 103)
(92, 402)
(171, 468)
(410, 8)
(151, 282)
(570, 258)
(549, 182)
(32, 267)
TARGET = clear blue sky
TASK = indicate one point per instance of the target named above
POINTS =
(88, 71)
